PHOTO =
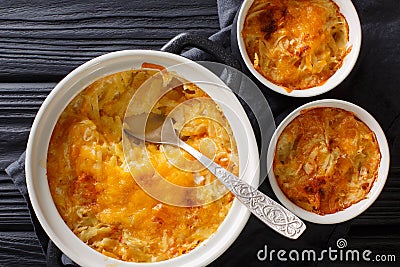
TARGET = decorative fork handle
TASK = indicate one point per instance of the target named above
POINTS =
(267, 210)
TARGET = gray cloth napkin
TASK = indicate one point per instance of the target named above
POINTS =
(255, 233)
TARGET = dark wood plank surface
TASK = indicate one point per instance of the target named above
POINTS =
(41, 41)
(38, 36)
(19, 103)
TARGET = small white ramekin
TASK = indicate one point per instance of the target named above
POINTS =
(349, 12)
(355, 209)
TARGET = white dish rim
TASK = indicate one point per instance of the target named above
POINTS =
(355, 37)
(36, 155)
(357, 208)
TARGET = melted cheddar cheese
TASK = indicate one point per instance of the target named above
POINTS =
(326, 159)
(94, 191)
(296, 44)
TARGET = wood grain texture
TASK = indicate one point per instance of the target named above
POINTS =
(19, 104)
(23, 244)
(386, 209)
(39, 36)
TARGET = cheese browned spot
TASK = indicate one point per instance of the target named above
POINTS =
(96, 194)
(326, 159)
(296, 44)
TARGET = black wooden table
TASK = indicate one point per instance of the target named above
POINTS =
(41, 41)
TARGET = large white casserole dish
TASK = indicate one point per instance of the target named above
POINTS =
(76, 81)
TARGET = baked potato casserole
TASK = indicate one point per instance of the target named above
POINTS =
(99, 198)
(296, 44)
(326, 159)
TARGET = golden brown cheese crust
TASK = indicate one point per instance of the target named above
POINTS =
(97, 196)
(296, 44)
(326, 159)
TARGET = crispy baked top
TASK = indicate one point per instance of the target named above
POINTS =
(96, 194)
(296, 44)
(326, 159)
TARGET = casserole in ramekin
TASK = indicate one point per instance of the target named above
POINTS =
(346, 8)
(382, 171)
